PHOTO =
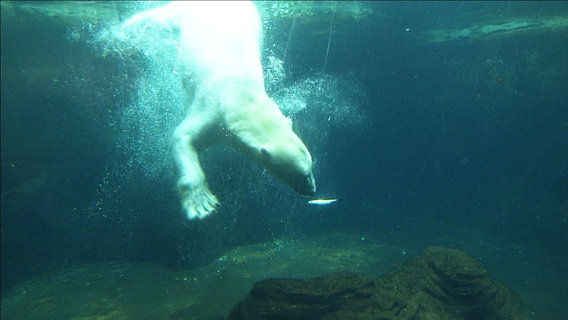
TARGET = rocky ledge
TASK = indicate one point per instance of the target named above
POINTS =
(441, 284)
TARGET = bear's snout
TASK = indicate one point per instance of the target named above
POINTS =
(308, 186)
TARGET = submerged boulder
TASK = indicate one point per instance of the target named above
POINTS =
(442, 284)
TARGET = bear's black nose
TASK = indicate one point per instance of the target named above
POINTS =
(308, 186)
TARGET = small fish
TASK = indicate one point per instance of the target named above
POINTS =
(321, 202)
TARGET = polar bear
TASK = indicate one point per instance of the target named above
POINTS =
(219, 61)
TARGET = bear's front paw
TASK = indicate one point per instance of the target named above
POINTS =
(197, 200)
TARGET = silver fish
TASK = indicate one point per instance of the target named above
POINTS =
(321, 202)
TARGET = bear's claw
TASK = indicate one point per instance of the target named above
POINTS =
(198, 201)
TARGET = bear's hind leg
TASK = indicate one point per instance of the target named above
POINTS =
(196, 198)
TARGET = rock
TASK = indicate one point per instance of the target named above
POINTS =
(336, 293)
(442, 284)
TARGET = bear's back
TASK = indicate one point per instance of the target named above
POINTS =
(219, 39)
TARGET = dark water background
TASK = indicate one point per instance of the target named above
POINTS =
(462, 143)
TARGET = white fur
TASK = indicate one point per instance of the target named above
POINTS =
(219, 59)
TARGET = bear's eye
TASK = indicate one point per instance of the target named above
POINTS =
(265, 153)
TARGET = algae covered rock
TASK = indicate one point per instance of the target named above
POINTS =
(336, 293)
(440, 284)
(445, 283)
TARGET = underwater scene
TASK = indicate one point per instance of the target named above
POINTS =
(284, 160)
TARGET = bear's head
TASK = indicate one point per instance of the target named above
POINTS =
(264, 132)
(289, 160)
